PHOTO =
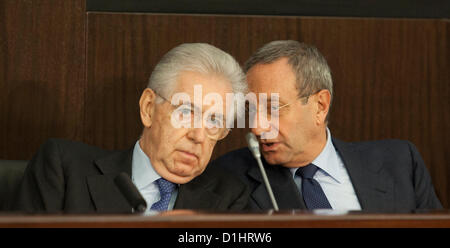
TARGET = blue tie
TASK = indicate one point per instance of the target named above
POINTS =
(313, 194)
(165, 189)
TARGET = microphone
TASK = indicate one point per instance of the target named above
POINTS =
(131, 193)
(253, 145)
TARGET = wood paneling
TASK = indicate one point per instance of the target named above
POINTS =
(42, 73)
(76, 75)
(346, 8)
(390, 75)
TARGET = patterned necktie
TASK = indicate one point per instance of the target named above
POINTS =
(165, 189)
(313, 194)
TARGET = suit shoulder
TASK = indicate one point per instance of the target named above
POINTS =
(69, 154)
(386, 144)
(239, 156)
(400, 151)
(64, 146)
(219, 178)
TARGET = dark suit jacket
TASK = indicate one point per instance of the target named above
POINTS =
(67, 176)
(387, 175)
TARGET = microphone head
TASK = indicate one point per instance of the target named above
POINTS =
(131, 193)
(253, 144)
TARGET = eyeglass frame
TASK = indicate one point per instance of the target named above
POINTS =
(298, 98)
(224, 130)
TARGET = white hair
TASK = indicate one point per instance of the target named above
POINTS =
(197, 57)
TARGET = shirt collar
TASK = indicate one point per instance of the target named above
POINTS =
(327, 160)
(142, 170)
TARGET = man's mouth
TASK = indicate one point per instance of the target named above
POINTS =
(270, 146)
(188, 155)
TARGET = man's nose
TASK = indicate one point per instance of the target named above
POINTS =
(197, 135)
(259, 123)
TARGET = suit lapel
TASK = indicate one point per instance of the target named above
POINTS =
(283, 186)
(373, 186)
(106, 196)
(197, 194)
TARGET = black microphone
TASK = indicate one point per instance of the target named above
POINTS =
(253, 145)
(131, 193)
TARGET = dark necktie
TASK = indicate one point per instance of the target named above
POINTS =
(165, 189)
(313, 194)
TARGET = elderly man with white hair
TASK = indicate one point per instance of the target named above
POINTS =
(168, 164)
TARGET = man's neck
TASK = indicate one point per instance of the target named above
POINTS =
(311, 152)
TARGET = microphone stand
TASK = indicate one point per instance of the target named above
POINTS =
(254, 148)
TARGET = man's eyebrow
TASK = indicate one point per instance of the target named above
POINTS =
(277, 100)
(193, 107)
(269, 102)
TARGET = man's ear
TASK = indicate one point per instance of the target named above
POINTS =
(323, 105)
(147, 107)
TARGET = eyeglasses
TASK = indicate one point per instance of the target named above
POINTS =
(274, 109)
(184, 115)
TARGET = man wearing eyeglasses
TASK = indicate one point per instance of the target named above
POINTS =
(306, 166)
(167, 164)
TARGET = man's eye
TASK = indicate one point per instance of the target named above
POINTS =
(185, 110)
(215, 120)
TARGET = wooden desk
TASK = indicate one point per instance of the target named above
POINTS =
(186, 219)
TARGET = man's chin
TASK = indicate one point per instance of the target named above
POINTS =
(183, 173)
(179, 179)
(272, 158)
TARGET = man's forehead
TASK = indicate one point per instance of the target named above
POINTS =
(274, 93)
(189, 81)
(285, 89)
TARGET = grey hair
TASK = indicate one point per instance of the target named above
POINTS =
(309, 65)
(197, 57)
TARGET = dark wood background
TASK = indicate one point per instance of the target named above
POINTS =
(69, 73)
(343, 8)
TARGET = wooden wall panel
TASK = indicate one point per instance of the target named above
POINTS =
(42, 73)
(391, 80)
(61, 77)
(391, 75)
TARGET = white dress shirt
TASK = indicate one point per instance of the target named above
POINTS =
(144, 177)
(333, 178)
